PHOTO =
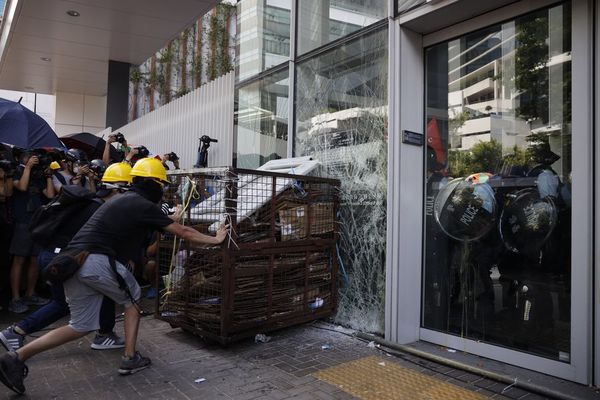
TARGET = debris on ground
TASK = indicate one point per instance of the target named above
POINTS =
(262, 338)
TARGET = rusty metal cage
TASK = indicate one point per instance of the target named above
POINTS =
(278, 266)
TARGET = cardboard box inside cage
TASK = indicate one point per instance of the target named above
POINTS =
(295, 220)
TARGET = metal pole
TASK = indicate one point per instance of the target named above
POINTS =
(531, 387)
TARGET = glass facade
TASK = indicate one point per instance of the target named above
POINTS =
(264, 35)
(261, 120)
(341, 120)
(323, 21)
(405, 5)
(497, 192)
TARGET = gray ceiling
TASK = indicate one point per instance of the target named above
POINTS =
(79, 47)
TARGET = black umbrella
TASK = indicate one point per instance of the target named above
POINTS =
(92, 145)
(22, 127)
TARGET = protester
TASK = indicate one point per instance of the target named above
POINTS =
(116, 180)
(31, 183)
(116, 231)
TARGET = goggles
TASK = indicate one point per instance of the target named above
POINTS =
(115, 186)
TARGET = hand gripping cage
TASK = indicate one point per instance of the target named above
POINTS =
(278, 266)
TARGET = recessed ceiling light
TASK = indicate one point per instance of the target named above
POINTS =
(47, 59)
(73, 13)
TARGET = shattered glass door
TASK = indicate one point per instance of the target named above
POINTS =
(497, 264)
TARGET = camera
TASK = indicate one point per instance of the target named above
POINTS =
(119, 137)
(207, 140)
(173, 156)
(142, 151)
(45, 157)
(7, 165)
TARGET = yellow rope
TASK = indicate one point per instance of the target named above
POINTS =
(192, 193)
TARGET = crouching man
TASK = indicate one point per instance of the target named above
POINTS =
(115, 232)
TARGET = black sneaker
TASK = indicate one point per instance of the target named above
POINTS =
(131, 365)
(10, 339)
(12, 372)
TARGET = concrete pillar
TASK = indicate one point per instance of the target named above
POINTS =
(117, 96)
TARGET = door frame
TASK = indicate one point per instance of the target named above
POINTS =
(405, 191)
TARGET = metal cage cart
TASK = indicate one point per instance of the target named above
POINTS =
(277, 268)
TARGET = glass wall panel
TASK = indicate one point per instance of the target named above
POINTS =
(264, 35)
(498, 187)
(405, 5)
(323, 21)
(261, 121)
(341, 120)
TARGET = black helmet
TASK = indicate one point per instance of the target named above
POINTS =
(98, 166)
(466, 209)
(74, 155)
(527, 221)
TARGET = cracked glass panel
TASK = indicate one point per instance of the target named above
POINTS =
(341, 120)
(323, 21)
(498, 185)
(261, 121)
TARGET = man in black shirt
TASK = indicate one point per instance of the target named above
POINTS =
(116, 230)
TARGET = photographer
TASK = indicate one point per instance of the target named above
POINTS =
(136, 154)
(170, 157)
(6, 226)
(122, 147)
(31, 182)
(98, 167)
(76, 171)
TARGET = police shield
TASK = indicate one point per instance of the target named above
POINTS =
(466, 209)
(527, 221)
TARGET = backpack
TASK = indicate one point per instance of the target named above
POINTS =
(54, 224)
(64, 265)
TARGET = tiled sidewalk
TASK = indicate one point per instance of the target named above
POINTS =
(279, 369)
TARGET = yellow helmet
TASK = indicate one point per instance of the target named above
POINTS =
(117, 172)
(150, 168)
(54, 165)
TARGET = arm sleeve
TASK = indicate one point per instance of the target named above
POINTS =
(154, 217)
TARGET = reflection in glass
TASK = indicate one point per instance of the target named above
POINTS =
(323, 21)
(341, 120)
(405, 5)
(498, 205)
(264, 35)
(261, 121)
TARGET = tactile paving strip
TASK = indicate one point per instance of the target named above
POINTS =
(374, 378)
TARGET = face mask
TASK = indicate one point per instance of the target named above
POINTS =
(149, 189)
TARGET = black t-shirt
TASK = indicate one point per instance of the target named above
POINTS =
(25, 203)
(120, 227)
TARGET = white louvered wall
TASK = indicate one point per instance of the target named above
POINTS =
(177, 126)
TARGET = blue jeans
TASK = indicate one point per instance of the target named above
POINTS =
(58, 307)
